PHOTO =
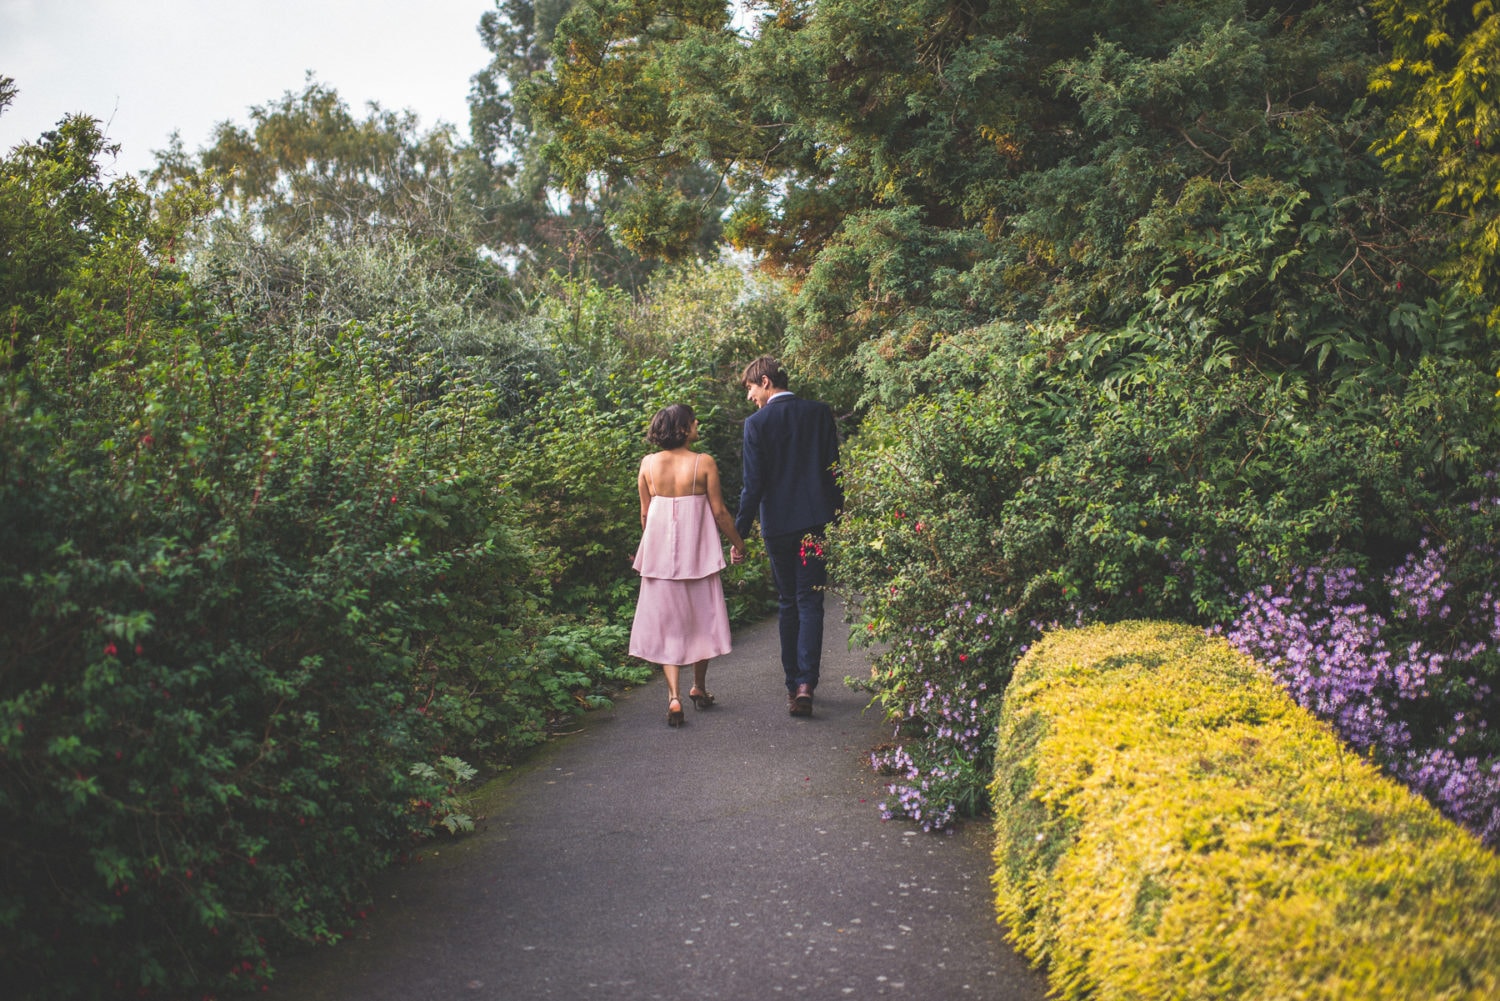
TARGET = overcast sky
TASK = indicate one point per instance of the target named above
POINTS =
(147, 67)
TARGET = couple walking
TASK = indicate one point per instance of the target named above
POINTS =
(790, 447)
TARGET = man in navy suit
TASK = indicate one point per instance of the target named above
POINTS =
(791, 446)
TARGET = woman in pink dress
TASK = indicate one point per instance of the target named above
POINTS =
(680, 617)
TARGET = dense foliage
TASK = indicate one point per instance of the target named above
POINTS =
(548, 219)
(1440, 71)
(318, 452)
(1139, 320)
(244, 582)
(298, 523)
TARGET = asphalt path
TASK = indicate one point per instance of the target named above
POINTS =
(742, 856)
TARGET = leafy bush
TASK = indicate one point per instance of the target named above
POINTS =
(1171, 825)
(931, 684)
(1040, 496)
(572, 467)
(263, 599)
(227, 584)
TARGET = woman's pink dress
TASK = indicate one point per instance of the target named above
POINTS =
(680, 617)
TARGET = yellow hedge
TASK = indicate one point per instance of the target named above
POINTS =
(1171, 825)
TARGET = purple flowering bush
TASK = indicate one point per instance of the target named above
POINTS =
(1065, 505)
(1404, 671)
(933, 685)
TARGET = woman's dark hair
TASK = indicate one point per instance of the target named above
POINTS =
(670, 426)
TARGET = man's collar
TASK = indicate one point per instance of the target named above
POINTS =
(779, 394)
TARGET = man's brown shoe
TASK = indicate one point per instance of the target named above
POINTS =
(801, 703)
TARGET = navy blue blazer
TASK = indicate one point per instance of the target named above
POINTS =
(791, 445)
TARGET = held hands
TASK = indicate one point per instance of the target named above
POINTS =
(736, 554)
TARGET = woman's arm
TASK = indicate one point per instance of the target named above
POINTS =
(644, 487)
(722, 517)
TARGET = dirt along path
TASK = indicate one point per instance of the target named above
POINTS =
(741, 856)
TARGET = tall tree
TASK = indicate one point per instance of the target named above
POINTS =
(549, 222)
(925, 167)
(57, 216)
(311, 218)
(307, 164)
(1442, 71)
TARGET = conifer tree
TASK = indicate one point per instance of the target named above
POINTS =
(548, 220)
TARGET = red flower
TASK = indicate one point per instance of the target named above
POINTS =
(962, 657)
(110, 650)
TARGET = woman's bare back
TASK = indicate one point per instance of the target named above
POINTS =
(677, 473)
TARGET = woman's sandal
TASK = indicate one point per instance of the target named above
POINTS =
(701, 700)
(674, 716)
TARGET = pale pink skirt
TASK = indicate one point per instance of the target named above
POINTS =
(680, 621)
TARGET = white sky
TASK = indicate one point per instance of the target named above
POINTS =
(147, 67)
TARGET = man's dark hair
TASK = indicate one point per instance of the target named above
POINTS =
(670, 427)
(764, 367)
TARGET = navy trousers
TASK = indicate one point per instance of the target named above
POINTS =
(801, 574)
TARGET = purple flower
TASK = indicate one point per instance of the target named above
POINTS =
(1382, 682)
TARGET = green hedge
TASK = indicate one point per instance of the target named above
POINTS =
(1170, 825)
(273, 579)
(237, 581)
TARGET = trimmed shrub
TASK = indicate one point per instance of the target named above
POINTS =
(1171, 825)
